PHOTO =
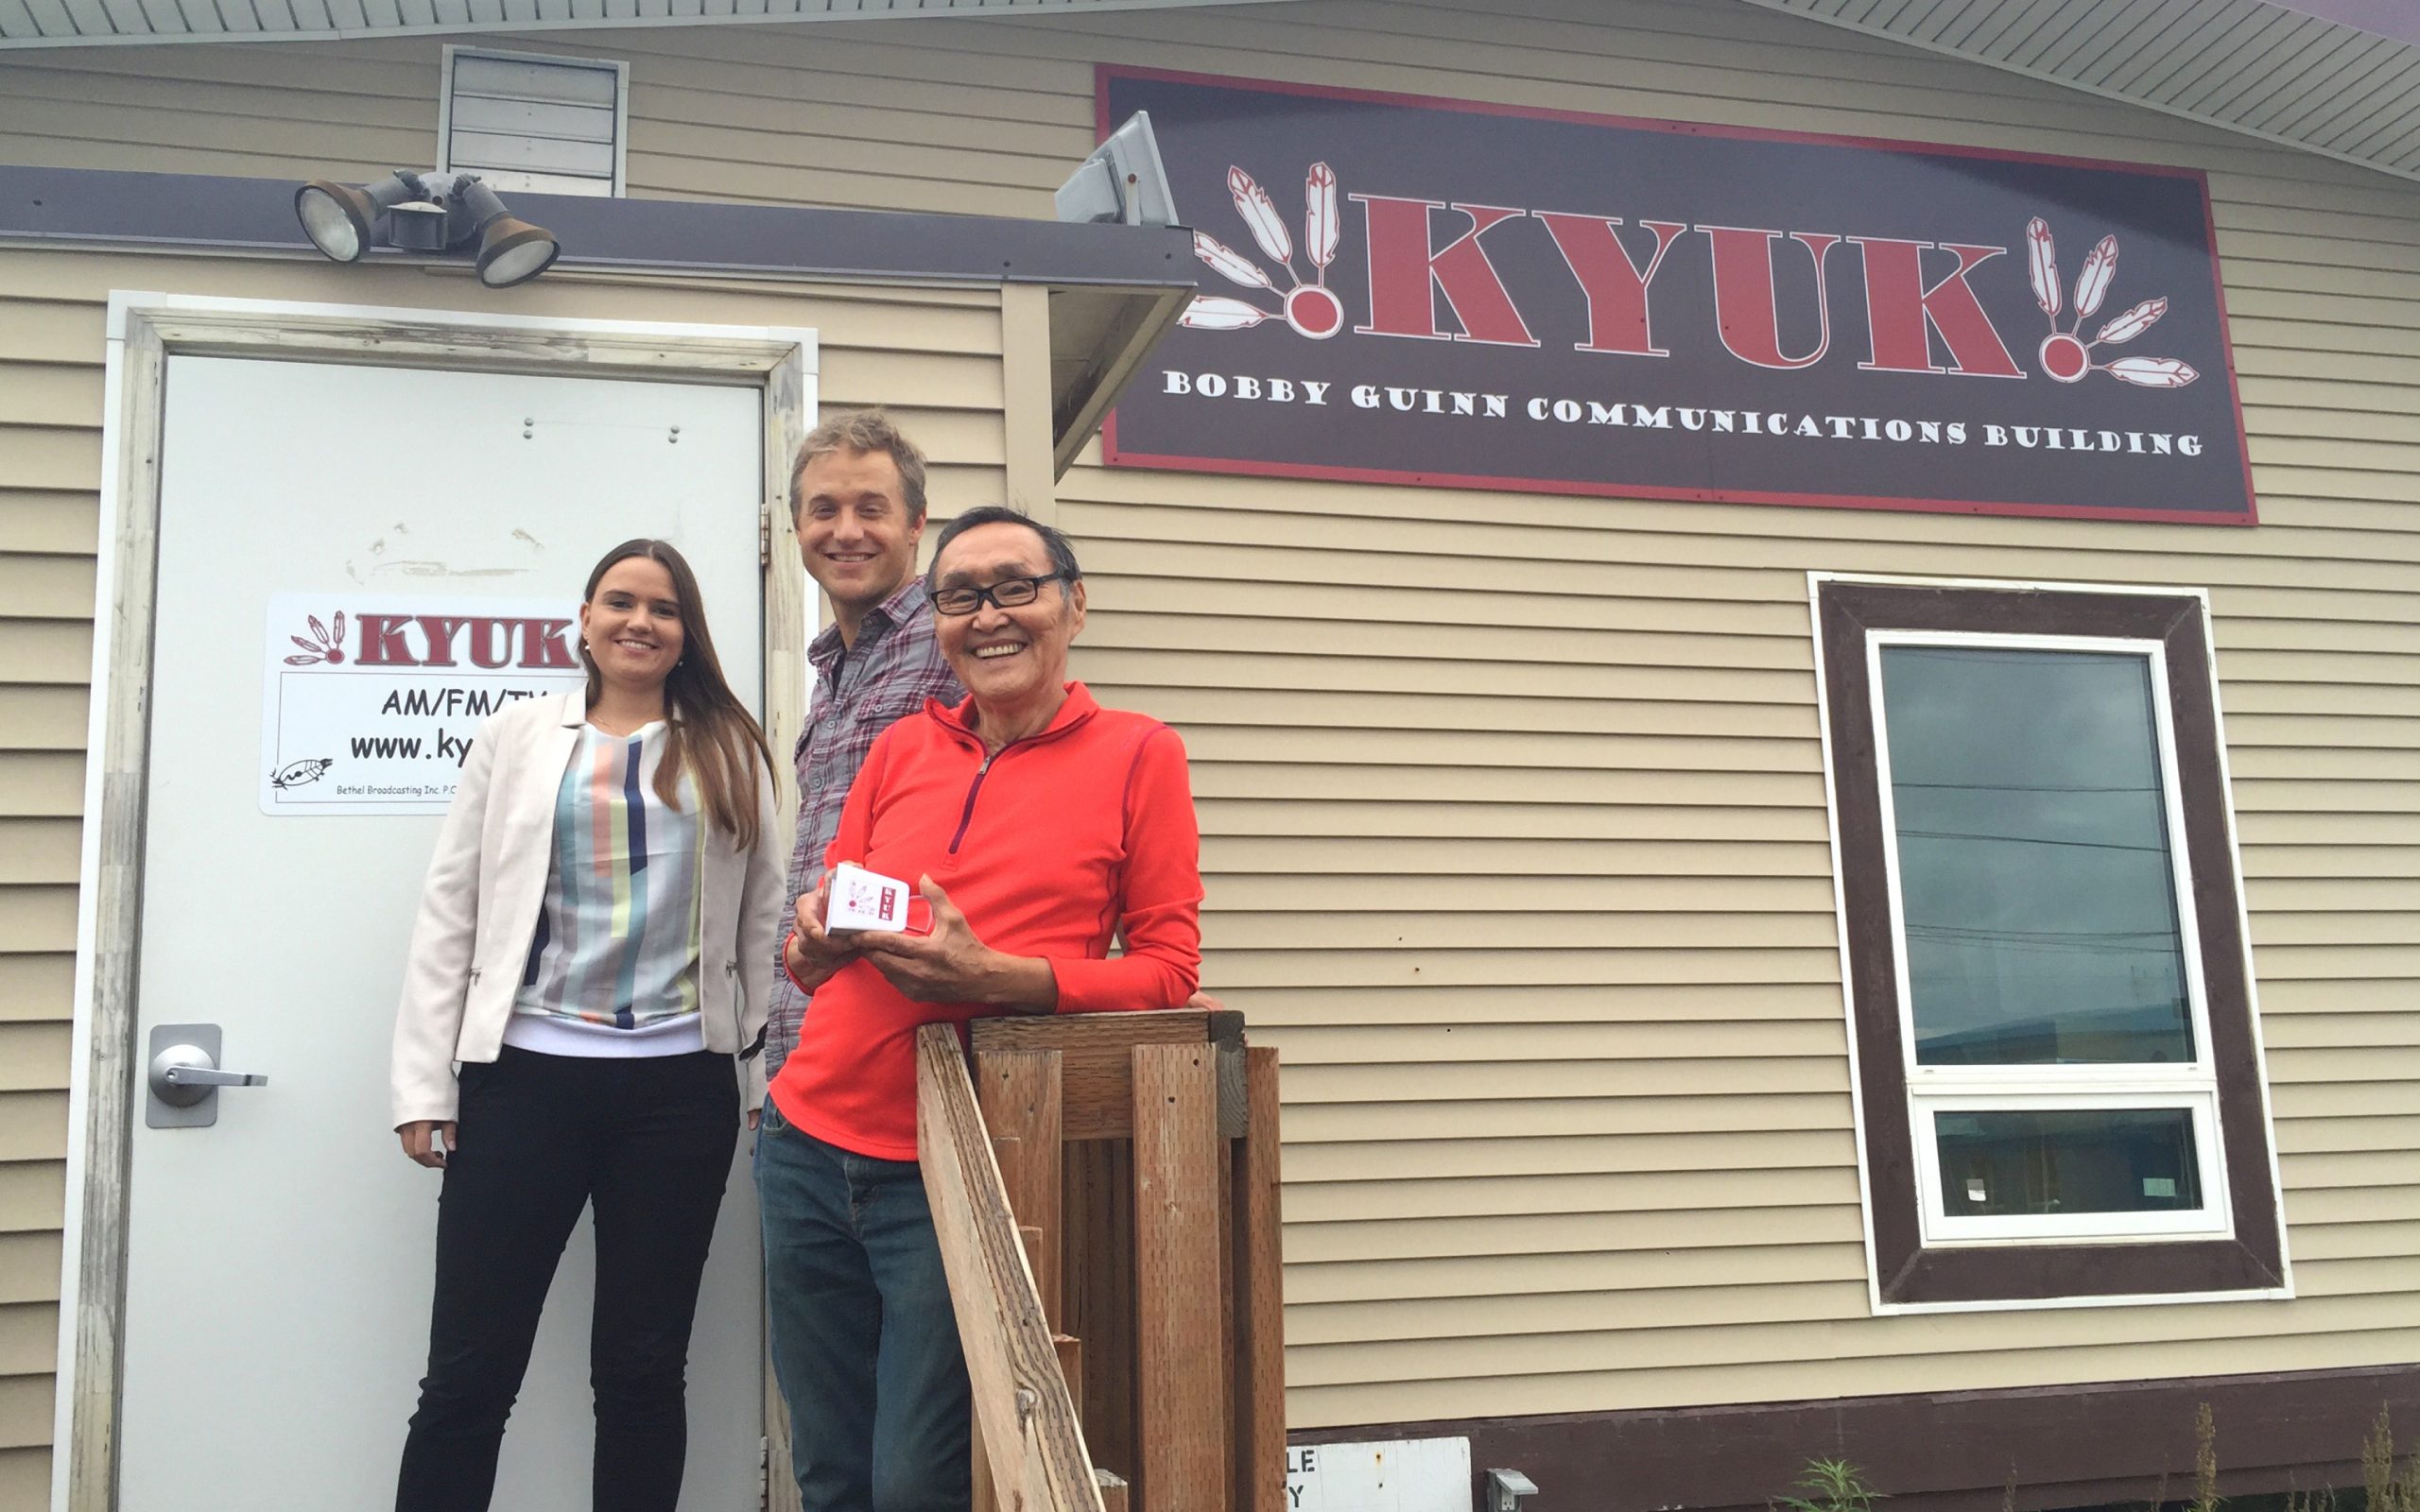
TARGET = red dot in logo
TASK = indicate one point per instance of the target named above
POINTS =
(336, 657)
(2064, 357)
(1314, 312)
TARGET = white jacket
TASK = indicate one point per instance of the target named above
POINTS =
(487, 885)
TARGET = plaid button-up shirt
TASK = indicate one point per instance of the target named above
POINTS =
(895, 666)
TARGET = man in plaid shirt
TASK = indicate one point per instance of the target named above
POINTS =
(857, 502)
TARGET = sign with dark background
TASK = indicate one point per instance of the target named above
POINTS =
(1404, 290)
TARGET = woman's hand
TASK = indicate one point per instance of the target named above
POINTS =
(812, 955)
(420, 1148)
(952, 965)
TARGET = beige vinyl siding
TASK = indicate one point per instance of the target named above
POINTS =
(1601, 1157)
(935, 354)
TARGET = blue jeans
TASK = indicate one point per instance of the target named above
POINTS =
(865, 1342)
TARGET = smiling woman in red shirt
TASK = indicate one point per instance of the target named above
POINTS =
(1041, 828)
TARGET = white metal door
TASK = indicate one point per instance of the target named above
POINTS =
(278, 1260)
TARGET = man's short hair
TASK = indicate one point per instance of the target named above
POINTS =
(1054, 541)
(862, 430)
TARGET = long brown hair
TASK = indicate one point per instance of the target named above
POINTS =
(698, 704)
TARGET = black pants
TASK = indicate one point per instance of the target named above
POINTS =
(649, 1141)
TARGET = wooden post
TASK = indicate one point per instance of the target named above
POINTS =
(1071, 1364)
(1112, 1491)
(1260, 1299)
(1019, 1094)
(1033, 1442)
(1099, 1276)
(1096, 1079)
(1180, 1275)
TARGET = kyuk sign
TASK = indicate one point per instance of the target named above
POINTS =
(1421, 291)
(369, 702)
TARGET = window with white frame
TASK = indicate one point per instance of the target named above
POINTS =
(2059, 1086)
(522, 121)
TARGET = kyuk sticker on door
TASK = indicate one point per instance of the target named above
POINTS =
(369, 701)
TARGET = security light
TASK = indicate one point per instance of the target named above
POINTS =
(342, 221)
(511, 251)
(1123, 180)
(425, 213)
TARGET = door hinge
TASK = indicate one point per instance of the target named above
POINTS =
(765, 537)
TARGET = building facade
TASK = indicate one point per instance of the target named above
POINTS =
(1520, 832)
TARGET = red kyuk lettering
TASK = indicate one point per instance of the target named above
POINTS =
(383, 643)
(1746, 308)
(1899, 308)
(441, 629)
(491, 642)
(1406, 268)
(1615, 283)
(545, 643)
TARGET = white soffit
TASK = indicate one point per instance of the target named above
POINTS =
(2339, 78)
(90, 22)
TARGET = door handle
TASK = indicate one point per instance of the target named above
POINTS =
(197, 1075)
(184, 1077)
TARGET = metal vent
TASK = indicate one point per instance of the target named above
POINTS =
(547, 125)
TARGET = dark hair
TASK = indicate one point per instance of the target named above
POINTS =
(863, 430)
(1054, 541)
(698, 703)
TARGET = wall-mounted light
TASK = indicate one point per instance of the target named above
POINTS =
(341, 221)
(511, 251)
(426, 211)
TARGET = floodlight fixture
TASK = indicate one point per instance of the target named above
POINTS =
(511, 251)
(425, 213)
(342, 221)
(1123, 181)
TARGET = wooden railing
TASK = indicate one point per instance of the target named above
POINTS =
(1105, 1188)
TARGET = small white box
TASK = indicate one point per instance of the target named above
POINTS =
(865, 899)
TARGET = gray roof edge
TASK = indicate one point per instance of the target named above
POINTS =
(205, 213)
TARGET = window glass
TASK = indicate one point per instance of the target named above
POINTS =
(1997, 1164)
(2035, 878)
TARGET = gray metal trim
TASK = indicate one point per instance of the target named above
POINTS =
(209, 213)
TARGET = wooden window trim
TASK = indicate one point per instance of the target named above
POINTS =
(1905, 1272)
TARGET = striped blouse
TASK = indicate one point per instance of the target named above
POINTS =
(613, 968)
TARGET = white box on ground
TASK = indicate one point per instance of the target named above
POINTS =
(1398, 1475)
(865, 899)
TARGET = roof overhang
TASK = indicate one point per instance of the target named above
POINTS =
(101, 23)
(2337, 77)
(1113, 289)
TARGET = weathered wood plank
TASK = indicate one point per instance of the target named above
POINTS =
(1098, 1223)
(1179, 1277)
(1260, 1296)
(1036, 1446)
(1096, 1077)
(1071, 1363)
(1019, 1094)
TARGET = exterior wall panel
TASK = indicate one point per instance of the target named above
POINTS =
(940, 349)
(1599, 1155)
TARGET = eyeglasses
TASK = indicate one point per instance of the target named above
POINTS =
(1008, 592)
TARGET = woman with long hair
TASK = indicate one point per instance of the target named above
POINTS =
(595, 949)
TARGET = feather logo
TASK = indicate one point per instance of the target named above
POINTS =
(1311, 309)
(2064, 355)
(323, 647)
